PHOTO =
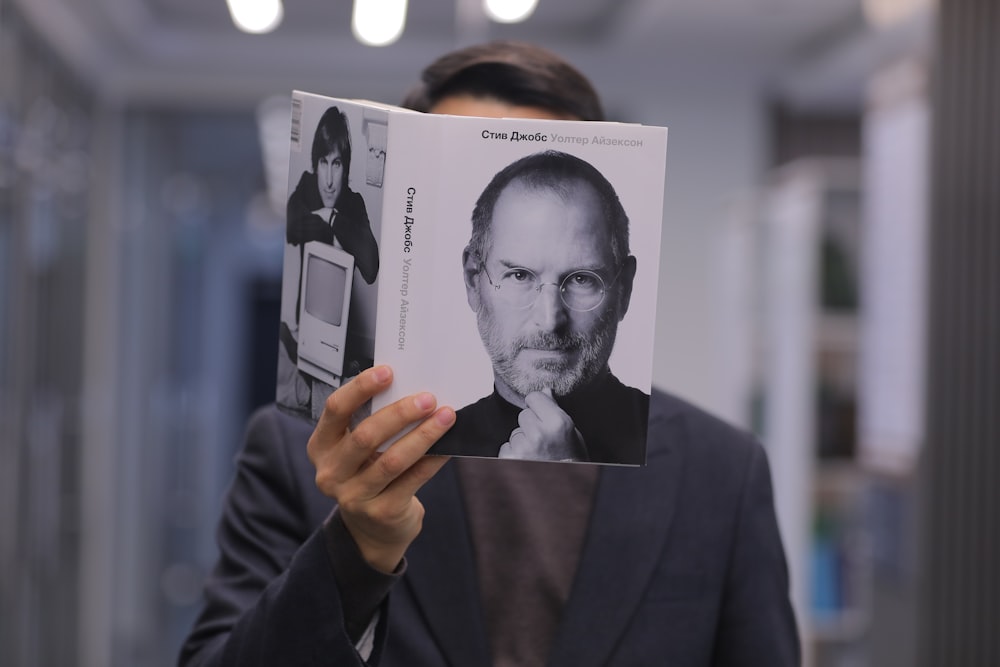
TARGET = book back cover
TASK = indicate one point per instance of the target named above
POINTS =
(337, 158)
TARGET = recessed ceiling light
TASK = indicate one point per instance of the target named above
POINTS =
(509, 11)
(256, 16)
(378, 22)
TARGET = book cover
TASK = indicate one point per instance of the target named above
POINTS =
(518, 266)
(336, 172)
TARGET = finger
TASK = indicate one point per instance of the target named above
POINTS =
(358, 447)
(521, 449)
(402, 469)
(338, 410)
(540, 414)
(421, 472)
(507, 451)
(528, 421)
(543, 405)
(342, 403)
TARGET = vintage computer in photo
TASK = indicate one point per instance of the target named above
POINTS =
(327, 278)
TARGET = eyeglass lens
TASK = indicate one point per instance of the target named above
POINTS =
(581, 290)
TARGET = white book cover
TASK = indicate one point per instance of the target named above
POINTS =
(516, 271)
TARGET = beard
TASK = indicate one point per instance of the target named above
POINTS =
(586, 355)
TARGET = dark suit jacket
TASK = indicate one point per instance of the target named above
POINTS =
(682, 564)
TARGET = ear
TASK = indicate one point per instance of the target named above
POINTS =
(625, 280)
(471, 268)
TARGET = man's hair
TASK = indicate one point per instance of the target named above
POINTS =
(512, 72)
(558, 172)
(332, 132)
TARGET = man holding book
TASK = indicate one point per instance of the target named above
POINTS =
(335, 554)
(549, 276)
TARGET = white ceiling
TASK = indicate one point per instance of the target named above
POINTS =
(158, 50)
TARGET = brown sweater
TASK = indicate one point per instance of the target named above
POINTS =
(527, 523)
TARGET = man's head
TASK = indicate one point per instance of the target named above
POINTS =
(517, 80)
(331, 155)
(515, 74)
(548, 273)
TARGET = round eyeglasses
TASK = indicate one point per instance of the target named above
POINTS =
(580, 290)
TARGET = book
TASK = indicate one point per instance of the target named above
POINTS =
(517, 324)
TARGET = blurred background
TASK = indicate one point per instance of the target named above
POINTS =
(829, 279)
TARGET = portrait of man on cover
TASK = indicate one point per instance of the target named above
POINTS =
(549, 276)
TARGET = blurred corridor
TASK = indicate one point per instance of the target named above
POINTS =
(830, 236)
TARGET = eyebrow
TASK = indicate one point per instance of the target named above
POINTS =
(601, 269)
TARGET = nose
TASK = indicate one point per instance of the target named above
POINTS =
(549, 310)
(328, 178)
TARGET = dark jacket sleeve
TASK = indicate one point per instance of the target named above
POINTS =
(351, 226)
(272, 598)
(354, 231)
(757, 625)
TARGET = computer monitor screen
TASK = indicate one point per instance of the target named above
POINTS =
(327, 278)
(325, 296)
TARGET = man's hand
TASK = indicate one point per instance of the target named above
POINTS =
(544, 433)
(375, 490)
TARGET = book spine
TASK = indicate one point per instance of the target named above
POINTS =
(405, 291)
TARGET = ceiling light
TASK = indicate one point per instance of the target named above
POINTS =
(887, 13)
(509, 11)
(378, 22)
(256, 16)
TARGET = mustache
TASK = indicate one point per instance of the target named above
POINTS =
(550, 342)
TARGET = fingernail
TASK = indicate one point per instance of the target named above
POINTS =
(381, 373)
(445, 417)
(424, 401)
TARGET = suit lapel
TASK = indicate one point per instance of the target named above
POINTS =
(633, 510)
(445, 586)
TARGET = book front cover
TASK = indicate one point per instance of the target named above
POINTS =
(520, 271)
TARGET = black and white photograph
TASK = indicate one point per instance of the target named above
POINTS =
(548, 274)
(537, 263)
(331, 263)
